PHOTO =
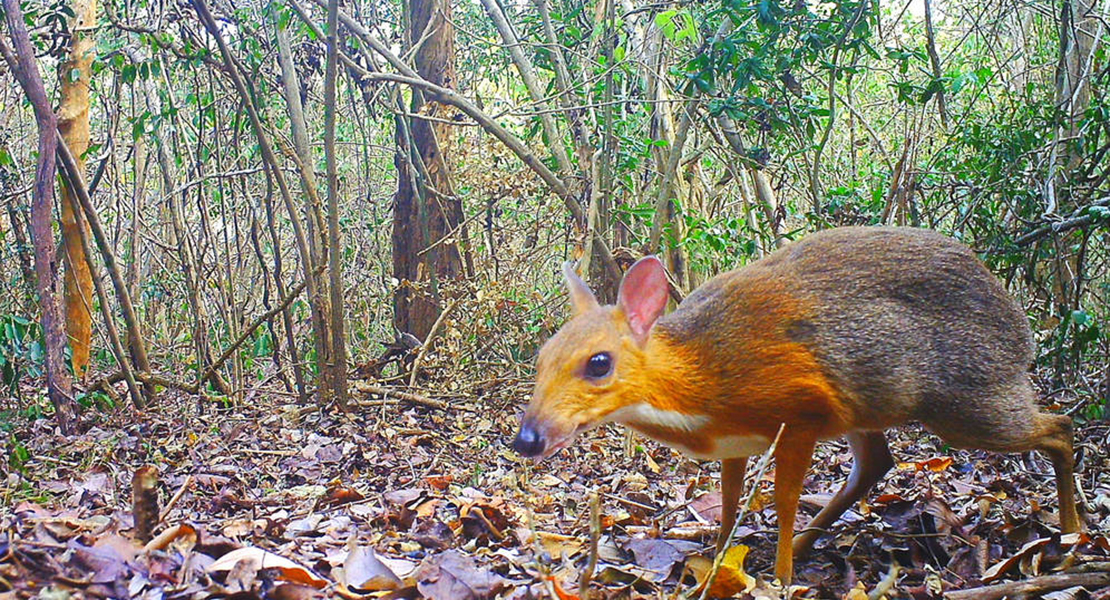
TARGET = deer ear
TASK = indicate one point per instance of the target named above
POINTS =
(581, 298)
(643, 295)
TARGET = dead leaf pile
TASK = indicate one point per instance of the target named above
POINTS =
(413, 501)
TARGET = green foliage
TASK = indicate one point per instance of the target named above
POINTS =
(21, 350)
(753, 70)
(1095, 409)
(18, 454)
(677, 25)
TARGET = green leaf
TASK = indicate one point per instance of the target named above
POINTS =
(19, 454)
(665, 21)
(688, 31)
(138, 128)
(664, 18)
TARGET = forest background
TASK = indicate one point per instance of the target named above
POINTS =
(316, 202)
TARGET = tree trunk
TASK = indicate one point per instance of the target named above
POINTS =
(22, 63)
(1077, 43)
(338, 363)
(425, 208)
(74, 74)
(87, 220)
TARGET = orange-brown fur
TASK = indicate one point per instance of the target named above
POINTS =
(847, 332)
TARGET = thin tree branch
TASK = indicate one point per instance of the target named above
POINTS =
(247, 332)
(337, 369)
(528, 75)
(21, 60)
(1075, 221)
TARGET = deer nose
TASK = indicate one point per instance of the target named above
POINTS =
(528, 441)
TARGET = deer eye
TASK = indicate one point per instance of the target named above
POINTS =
(599, 365)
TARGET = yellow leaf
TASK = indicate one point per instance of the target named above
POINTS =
(731, 578)
(935, 465)
(558, 545)
(857, 593)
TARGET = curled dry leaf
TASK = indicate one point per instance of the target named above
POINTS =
(660, 556)
(1031, 553)
(857, 593)
(484, 517)
(707, 507)
(455, 576)
(340, 494)
(104, 562)
(888, 498)
(172, 534)
(261, 559)
(363, 571)
(559, 545)
(433, 534)
(439, 482)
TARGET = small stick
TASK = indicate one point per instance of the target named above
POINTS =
(428, 340)
(493, 530)
(1035, 586)
(633, 503)
(168, 536)
(188, 483)
(367, 388)
(537, 546)
(745, 506)
(270, 452)
(595, 537)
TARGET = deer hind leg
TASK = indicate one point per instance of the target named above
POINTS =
(1051, 434)
(1009, 422)
(871, 461)
(1054, 438)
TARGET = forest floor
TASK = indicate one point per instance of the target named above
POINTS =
(403, 500)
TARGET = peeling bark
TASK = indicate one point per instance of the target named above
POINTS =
(74, 74)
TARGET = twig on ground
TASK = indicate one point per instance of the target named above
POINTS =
(428, 339)
(188, 483)
(367, 388)
(1031, 587)
(595, 537)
